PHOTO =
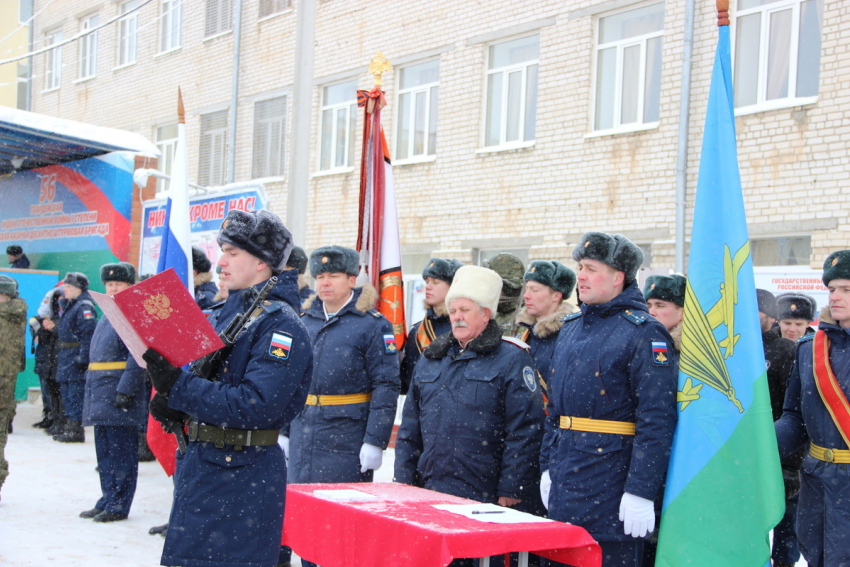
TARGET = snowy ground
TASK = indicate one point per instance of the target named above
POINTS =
(50, 483)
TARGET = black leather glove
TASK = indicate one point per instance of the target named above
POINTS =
(82, 365)
(123, 401)
(791, 478)
(160, 372)
(162, 413)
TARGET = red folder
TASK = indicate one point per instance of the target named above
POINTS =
(159, 313)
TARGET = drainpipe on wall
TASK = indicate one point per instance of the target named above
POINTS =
(234, 91)
(297, 191)
(684, 126)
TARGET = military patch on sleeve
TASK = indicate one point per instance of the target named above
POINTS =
(389, 344)
(660, 356)
(529, 376)
(88, 314)
(280, 345)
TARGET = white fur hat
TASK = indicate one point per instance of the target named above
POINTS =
(481, 285)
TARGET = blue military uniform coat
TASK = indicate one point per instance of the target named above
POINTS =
(22, 263)
(76, 325)
(604, 368)
(228, 504)
(441, 324)
(473, 420)
(354, 353)
(541, 335)
(102, 385)
(205, 293)
(823, 512)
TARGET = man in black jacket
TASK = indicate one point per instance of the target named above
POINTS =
(779, 359)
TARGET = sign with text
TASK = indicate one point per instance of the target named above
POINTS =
(206, 213)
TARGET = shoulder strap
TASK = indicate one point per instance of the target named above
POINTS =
(828, 387)
(523, 333)
(516, 342)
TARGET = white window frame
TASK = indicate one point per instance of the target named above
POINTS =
(272, 146)
(413, 91)
(277, 7)
(349, 106)
(621, 45)
(53, 61)
(219, 13)
(215, 172)
(171, 25)
(762, 104)
(167, 147)
(88, 48)
(506, 71)
(128, 34)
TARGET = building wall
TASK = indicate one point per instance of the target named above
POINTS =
(793, 160)
(15, 42)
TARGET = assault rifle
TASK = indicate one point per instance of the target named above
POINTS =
(207, 366)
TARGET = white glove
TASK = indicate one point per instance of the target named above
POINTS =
(370, 457)
(637, 515)
(284, 444)
(545, 486)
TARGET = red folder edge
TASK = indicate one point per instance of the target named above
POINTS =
(196, 336)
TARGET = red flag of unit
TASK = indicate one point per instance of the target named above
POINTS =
(377, 238)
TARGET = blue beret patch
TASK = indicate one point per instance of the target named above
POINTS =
(280, 345)
(660, 356)
(389, 344)
(528, 376)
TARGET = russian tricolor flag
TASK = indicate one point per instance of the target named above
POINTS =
(176, 248)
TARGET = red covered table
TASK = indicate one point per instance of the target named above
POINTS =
(403, 528)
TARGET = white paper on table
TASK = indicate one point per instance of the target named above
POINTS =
(345, 495)
(502, 516)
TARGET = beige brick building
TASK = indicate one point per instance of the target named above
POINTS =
(513, 125)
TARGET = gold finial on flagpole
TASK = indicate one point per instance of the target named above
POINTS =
(722, 13)
(378, 65)
(181, 111)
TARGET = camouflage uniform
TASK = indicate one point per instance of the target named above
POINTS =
(13, 321)
(511, 270)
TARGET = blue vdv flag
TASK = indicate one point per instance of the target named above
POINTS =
(176, 247)
(724, 485)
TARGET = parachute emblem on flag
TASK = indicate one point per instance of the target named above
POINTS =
(701, 357)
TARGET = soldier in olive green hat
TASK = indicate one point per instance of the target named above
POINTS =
(13, 322)
(511, 270)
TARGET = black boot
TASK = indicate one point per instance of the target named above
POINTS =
(74, 433)
(107, 516)
(89, 514)
(58, 425)
(145, 453)
(161, 530)
(46, 420)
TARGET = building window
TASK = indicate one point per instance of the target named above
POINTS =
(166, 142)
(777, 51)
(269, 7)
(786, 251)
(53, 62)
(128, 29)
(416, 133)
(219, 17)
(339, 120)
(88, 47)
(171, 25)
(628, 68)
(512, 92)
(213, 159)
(269, 132)
(23, 91)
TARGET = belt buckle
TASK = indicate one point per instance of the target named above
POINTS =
(567, 422)
(829, 456)
(193, 431)
(317, 400)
